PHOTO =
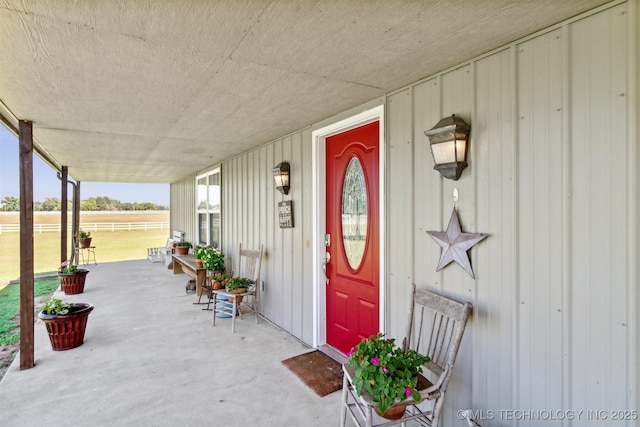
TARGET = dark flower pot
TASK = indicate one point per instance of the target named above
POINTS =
(73, 283)
(66, 331)
(85, 242)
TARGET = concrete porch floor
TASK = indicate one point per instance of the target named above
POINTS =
(152, 358)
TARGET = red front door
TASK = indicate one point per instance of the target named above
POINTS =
(353, 242)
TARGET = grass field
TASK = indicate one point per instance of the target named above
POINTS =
(110, 245)
(10, 306)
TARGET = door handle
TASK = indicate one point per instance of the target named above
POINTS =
(327, 259)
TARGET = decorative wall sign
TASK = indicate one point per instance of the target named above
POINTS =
(285, 214)
(455, 244)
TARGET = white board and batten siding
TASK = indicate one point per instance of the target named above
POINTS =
(250, 217)
(553, 179)
(552, 163)
(182, 206)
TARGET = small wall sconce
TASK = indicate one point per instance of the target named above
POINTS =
(448, 141)
(281, 177)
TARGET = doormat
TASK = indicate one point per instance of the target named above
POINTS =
(317, 370)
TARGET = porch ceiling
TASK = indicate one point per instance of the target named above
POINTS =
(152, 91)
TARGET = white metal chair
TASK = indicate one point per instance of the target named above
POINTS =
(249, 262)
(440, 340)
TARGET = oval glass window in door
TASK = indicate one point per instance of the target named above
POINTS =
(354, 213)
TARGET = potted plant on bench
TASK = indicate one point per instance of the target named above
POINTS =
(198, 252)
(212, 259)
(66, 322)
(182, 248)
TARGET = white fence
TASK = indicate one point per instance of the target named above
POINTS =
(91, 226)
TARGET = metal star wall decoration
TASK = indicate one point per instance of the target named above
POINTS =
(455, 244)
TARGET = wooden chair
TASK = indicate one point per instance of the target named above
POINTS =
(438, 336)
(249, 262)
(207, 289)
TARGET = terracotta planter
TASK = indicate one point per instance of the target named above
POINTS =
(238, 291)
(73, 283)
(86, 242)
(66, 331)
(182, 250)
(216, 285)
(198, 263)
(393, 413)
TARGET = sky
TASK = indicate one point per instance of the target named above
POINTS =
(47, 185)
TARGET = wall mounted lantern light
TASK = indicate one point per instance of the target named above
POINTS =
(281, 177)
(448, 141)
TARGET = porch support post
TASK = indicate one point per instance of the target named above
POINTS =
(75, 218)
(25, 141)
(64, 242)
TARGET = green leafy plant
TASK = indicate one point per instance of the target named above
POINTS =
(237, 283)
(67, 267)
(56, 306)
(183, 244)
(198, 251)
(220, 277)
(385, 371)
(219, 280)
(84, 234)
(212, 258)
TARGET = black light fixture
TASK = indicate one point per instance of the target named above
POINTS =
(281, 177)
(448, 141)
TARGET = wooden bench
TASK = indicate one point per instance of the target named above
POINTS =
(187, 264)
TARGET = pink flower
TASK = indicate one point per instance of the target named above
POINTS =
(353, 350)
(64, 264)
(407, 391)
(375, 361)
(385, 370)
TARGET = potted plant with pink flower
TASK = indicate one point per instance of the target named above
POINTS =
(386, 372)
(72, 278)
